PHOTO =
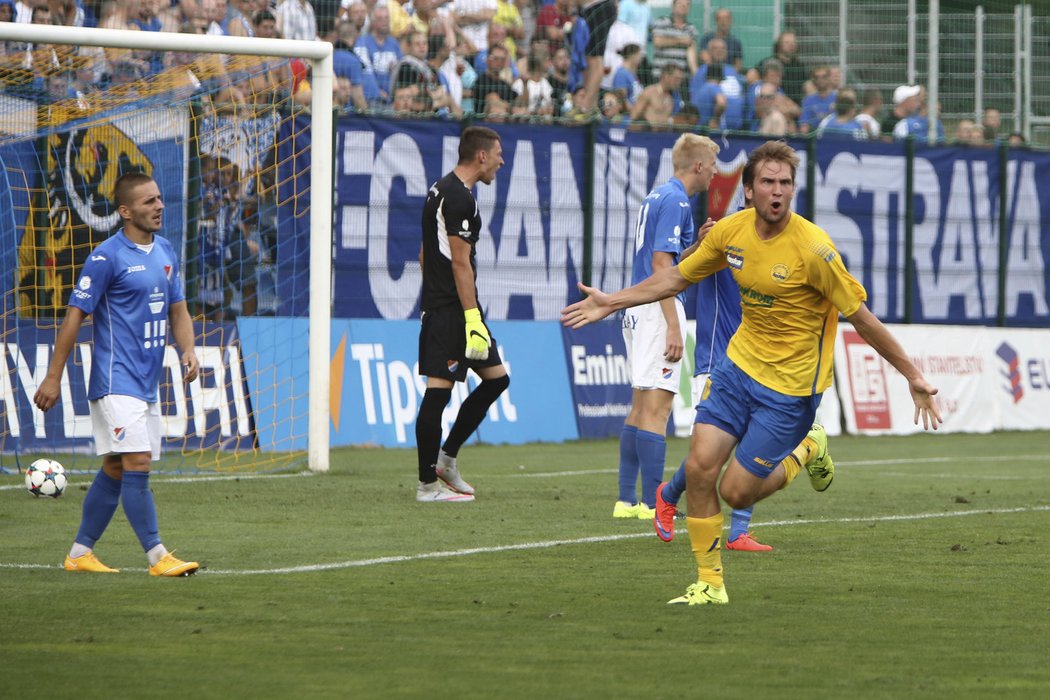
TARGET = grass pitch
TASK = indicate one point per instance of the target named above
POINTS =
(921, 573)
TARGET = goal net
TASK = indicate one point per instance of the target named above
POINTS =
(225, 126)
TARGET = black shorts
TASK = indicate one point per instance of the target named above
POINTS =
(443, 342)
(599, 20)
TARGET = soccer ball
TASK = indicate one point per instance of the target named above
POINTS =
(46, 477)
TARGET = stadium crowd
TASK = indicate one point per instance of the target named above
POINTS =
(503, 59)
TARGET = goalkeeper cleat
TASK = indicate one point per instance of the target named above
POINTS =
(625, 511)
(437, 492)
(665, 514)
(172, 567)
(747, 543)
(448, 472)
(820, 468)
(87, 562)
(645, 512)
(701, 593)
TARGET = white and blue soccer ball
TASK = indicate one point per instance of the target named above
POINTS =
(46, 477)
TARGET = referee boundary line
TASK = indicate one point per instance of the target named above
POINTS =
(548, 544)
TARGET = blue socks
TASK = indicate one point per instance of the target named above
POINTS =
(676, 486)
(138, 506)
(739, 522)
(652, 451)
(100, 504)
(628, 464)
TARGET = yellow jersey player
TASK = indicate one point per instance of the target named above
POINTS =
(762, 397)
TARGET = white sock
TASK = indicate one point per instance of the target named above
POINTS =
(156, 554)
(78, 550)
(444, 460)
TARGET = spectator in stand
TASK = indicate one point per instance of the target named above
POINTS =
(687, 118)
(403, 22)
(356, 12)
(674, 39)
(296, 20)
(238, 18)
(638, 16)
(707, 97)
(991, 123)
(734, 49)
(819, 104)
(535, 94)
(1017, 140)
(843, 122)
(967, 133)
(527, 9)
(378, 50)
(444, 101)
(620, 35)
(558, 77)
(772, 74)
(551, 22)
(869, 114)
(769, 119)
(613, 108)
(785, 50)
(497, 37)
(658, 102)
(599, 16)
(718, 55)
(413, 69)
(474, 18)
(66, 13)
(918, 125)
(346, 65)
(213, 12)
(492, 82)
(626, 80)
(906, 103)
(407, 101)
(508, 17)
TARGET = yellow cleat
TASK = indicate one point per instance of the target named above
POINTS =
(701, 593)
(625, 510)
(170, 566)
(645, 512)
(87, 562)
(820, 468)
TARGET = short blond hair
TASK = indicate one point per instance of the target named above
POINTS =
(688, 149)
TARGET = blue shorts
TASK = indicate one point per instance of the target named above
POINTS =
(767, 424)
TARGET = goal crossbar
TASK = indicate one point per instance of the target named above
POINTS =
(319, 54)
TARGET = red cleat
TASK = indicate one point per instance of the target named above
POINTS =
(747, 543)
(665, 512)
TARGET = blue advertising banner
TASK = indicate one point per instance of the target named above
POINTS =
(376, 389)
(600, 377)
(213, 411)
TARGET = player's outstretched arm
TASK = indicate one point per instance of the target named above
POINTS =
(659, 285)
(48, 392)
(879, 337)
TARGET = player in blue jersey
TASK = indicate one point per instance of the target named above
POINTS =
(717, 318)
(653, 332)
(130, 286)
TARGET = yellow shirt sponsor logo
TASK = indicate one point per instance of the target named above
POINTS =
(779, 272)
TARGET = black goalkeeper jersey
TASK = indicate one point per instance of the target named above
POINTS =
(450, 210)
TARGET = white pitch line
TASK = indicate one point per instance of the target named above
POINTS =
(397, 559)
(161, 479)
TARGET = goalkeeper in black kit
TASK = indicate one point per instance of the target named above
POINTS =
(453, 337)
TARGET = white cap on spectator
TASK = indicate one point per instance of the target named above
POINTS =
(904, 92)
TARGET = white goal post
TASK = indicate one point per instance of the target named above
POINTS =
(319, 54)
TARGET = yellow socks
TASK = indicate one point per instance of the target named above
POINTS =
(705, 537)
(801, 455)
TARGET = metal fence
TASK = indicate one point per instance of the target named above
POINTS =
(983, 60)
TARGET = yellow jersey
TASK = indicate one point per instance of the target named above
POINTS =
(792, 288)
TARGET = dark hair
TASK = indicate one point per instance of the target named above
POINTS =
(126, 183)
(630, 50)
(845, 102)
(261, 16)
(474, 139)
(715, 71)
(435, 42)
(776, 151)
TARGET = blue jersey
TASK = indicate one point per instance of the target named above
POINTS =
(717, 317)
(129, 293)
(581, 33)
(381, 59)
(815, 107)
(627, 81)
(704, 98)
(665, 225)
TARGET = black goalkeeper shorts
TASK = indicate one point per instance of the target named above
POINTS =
(443, 343)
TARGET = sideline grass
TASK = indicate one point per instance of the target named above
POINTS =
(861, 598)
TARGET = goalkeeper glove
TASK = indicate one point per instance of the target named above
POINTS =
(478, 339)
